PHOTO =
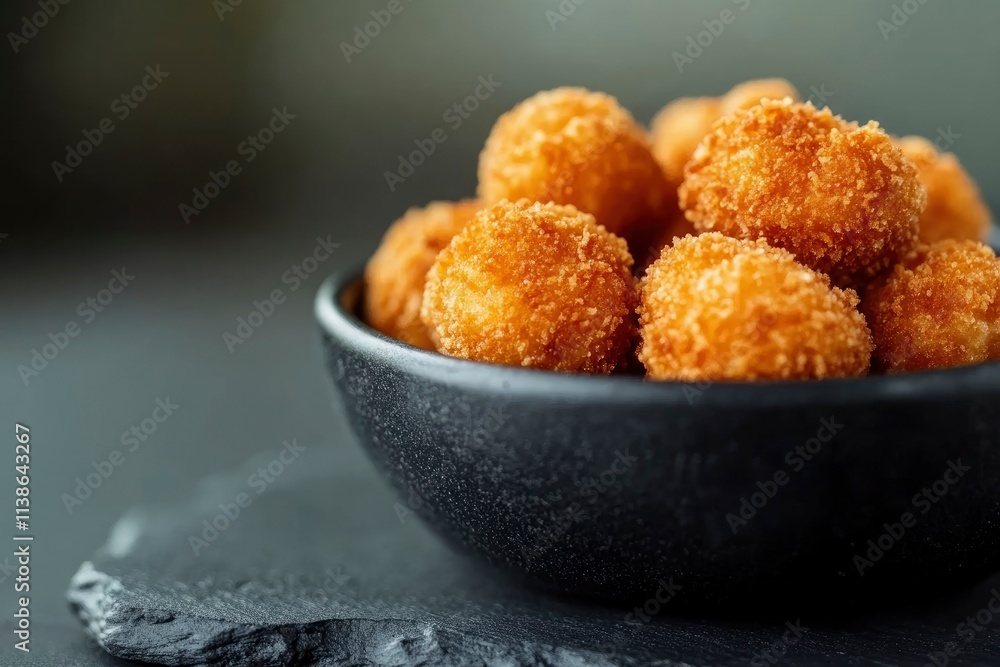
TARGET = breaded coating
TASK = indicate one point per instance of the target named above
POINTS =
(955, 209)
(940, 307)
(678, 129)
(536, 285)
(395, 275)
(573, 146)
(718, 308)
(681, 125)
(842, 198)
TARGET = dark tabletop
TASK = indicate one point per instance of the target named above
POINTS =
(162, 336)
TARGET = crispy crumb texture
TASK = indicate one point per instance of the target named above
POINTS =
(840, 197)
(955, 209)
(681, 125)
(572, 146)
(940, 307)
(535, 285)
(719, 308)
(678, 129)
(395, 275)
(752, 217)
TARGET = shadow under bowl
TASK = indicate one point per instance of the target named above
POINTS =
(623, 489)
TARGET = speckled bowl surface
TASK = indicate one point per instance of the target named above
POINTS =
(624, 489)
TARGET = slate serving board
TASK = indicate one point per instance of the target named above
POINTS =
(322, 567)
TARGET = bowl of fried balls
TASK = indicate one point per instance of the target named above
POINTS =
(749, 353)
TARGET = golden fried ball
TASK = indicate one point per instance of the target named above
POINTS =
(751, 93)
(395, 275)
(955, 209)
(718, 308)
(842, 198)
(537, 285)
(678, 129)
(940, 307)
(573, 146)
(682, 124)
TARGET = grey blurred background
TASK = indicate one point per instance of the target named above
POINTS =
(324, 176)
(938, 69)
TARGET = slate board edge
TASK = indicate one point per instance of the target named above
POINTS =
(132, 633)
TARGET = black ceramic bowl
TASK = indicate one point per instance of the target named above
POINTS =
(624, 489)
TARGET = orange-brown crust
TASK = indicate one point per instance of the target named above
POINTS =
(678, 129)
(955, 209)
(535, 285)
(681, 125)
(395, 275)
(719, 308)
(940, 307)
(572, 146)
(840, 197)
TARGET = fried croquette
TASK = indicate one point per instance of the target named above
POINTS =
(395, 275)
(955, 209)
(681, 125)
(536, 285)
(678, 129)
(940, 307)
(718, 308)
(572, 146)
(840, 197)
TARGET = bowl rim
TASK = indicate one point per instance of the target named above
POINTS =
(338, 320)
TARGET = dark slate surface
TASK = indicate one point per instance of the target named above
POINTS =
(319, 569)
